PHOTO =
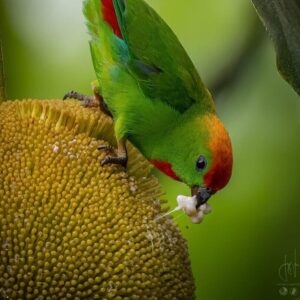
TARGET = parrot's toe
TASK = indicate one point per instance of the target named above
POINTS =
(85, 101)
(117, 160)
(68, 95)
(89, 101)
(105, 147)
(73, 95)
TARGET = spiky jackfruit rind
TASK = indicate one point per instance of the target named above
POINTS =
(70, 229)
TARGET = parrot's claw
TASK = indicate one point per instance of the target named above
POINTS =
(105, 147)
(118, 160)
(85, 101)
(69, 95)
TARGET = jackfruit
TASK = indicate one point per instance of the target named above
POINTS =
(71, 229)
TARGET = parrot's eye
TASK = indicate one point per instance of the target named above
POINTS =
(201, 163)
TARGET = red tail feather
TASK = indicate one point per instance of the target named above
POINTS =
(109, 15)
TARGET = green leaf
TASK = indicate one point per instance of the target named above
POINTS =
(282, 20)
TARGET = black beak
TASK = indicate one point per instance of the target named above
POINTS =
(202, 195)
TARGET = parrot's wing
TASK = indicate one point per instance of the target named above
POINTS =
(158, 60)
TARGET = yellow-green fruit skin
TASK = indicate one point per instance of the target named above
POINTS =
(71, 229)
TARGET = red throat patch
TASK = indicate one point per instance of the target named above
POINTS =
(166, 168)
(109, 15)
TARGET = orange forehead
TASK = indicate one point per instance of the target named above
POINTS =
(219, 143)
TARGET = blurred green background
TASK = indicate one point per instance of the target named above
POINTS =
(239, 250)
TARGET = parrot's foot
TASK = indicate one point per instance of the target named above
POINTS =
(85, 101)
(121, 157)
(95, 101)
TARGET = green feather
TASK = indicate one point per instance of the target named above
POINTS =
(92, 13)
(151, 41)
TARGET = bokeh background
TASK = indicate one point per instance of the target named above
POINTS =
(240, 249)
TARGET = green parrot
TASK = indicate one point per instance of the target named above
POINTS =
(149, 86)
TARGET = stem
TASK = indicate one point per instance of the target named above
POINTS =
(2, 78)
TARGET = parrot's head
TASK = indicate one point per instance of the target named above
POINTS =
(213, 167)
(200, 156)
